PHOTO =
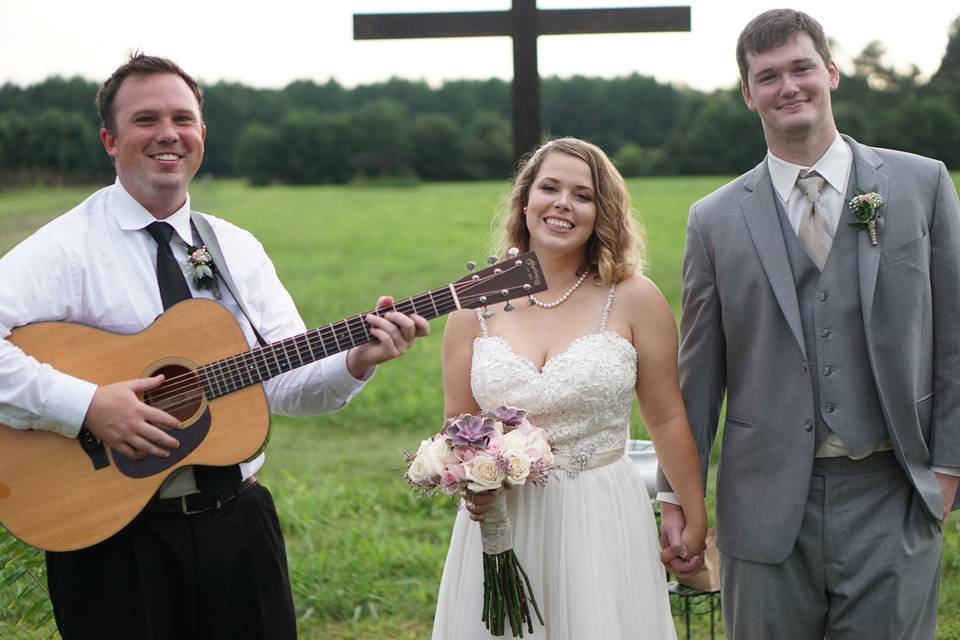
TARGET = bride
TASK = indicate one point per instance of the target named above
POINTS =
(573, 360)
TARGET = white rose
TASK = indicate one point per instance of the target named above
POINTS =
(515, 441)
(419, 471)
(519, 467)
(539, 448)
(484, 474)
(439, 455)
(421, 468)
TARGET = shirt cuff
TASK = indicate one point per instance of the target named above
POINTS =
(667, 496)
(341, 381)
(947, 471)
(66, 405)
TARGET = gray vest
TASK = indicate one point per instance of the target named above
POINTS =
(844, 390)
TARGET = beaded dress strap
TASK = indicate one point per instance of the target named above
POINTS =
(483, 323)
(606, 308)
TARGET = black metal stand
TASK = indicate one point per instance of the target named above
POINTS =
(693, 601)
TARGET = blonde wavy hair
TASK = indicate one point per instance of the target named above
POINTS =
(615, 251)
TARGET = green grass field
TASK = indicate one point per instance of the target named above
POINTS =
(365, 556)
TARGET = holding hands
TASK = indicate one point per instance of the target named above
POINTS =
(682, 546)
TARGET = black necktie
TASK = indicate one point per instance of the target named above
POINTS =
(218, 482)
(173, 286)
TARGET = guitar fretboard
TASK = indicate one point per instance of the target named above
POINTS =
(262, 363)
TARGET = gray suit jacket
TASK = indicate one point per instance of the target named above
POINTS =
(742, 335)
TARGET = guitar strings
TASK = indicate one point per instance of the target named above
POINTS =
(186, 389)
(232, 367)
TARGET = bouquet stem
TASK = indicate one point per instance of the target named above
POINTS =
(506, 587)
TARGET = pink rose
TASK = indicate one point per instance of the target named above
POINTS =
(451, 477)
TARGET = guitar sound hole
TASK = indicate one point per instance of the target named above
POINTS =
(180, 395)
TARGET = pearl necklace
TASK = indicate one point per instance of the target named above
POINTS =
(563, 298)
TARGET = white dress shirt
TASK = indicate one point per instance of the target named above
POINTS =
(96, 265)
(833, 166)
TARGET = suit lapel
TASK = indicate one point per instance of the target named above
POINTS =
(868, 175)
(760, 214)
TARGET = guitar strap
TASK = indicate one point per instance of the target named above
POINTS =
(209, 239)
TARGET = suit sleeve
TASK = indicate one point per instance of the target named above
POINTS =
(702, 358)
(945, 284)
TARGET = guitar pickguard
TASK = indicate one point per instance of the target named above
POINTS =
(190, 438)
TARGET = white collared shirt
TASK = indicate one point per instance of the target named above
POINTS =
(96, 265)
(834, 166)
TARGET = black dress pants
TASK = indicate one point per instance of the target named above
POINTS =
(221, 574)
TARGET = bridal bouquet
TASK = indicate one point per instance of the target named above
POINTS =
(484, 453)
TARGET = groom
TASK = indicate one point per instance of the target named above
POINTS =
(840, 358)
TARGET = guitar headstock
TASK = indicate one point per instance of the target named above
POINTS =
(501, 282)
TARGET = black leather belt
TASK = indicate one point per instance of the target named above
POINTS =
(194, 503)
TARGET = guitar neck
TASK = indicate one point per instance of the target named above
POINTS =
(262, 363)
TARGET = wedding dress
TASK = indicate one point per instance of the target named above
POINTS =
(587, 539)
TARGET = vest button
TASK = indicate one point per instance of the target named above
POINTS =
(825, 333)
(808, 425)
(822, 295)
(828, 370)
(829, 407)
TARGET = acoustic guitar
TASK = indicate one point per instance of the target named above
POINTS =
(61, 494)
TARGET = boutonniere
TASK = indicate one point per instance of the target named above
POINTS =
(864, 207)
(202, 270)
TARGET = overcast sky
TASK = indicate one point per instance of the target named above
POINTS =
(269, 44)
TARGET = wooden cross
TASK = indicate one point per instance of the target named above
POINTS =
(524, 23)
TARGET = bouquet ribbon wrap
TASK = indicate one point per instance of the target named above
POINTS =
(496, 533)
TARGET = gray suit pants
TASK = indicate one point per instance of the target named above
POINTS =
(866, 564)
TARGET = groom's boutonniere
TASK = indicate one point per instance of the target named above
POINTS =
(864, 207)
(202, 270)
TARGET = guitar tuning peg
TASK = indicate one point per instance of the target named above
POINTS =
(505, 292)
(471, 265)
(530, 301)
(483, 300)
(474, 277)
(498, 270)
(492, 260)
(527, 287)
(518, 263)
(487, 314)
(508, 307)
(513, 252)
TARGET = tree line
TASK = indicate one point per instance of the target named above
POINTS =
(308, 133)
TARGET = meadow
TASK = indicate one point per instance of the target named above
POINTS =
(365, 554)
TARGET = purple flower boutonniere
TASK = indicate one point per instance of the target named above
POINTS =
(202, 269)
(864, 207)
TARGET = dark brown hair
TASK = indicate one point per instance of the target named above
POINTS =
(138, 65)
(773, 28)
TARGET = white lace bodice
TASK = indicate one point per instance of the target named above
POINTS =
(582, 396)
